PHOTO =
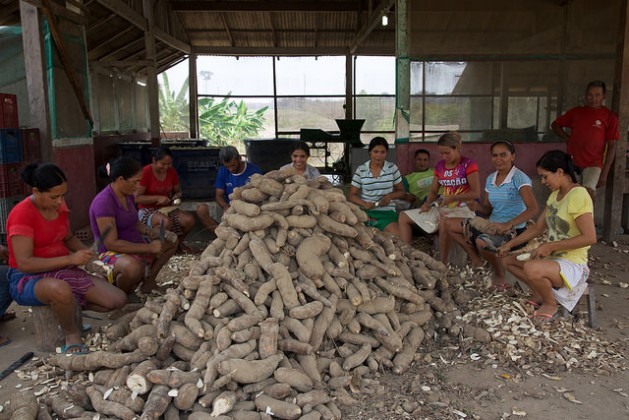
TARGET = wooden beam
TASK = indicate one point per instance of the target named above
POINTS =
(78, 5)
(513, 57)
(118, 50)
(524, 6)
(124, 11)
(210, 32)
(94, 27)
(61, 11)
(614, 190)
(151, 71)
(292, 51)
(119, 63)
(66, 61)
(36, 80)
(171, 41)
(266, 6)
(273, 32)
(229, 34)
(133, 17)
(372, 23)
(165, 66)
(193, 92)
(113, 38)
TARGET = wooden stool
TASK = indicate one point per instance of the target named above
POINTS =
(457, 256)
(591, 305)
(48, 331)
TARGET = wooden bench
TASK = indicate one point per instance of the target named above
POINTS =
(457, 256)
(48, 332)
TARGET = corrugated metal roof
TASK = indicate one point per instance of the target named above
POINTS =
(115, 28)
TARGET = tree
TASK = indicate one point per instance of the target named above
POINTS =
(173, 109)
(227, 122)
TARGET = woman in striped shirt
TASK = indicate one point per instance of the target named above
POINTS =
(375, 184)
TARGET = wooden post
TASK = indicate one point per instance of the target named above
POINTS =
(457, 257)
(151, 72)
(620, 105)
(36, 81)
(48, 331)
(193, 105)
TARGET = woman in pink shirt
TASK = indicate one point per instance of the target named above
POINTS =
(457, 179)
(158, 194)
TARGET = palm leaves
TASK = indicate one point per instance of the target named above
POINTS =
(173, 109)
(222, 123)
(228, 122)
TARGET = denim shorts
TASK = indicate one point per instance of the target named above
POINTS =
(5, 295)
(27, 297)
(22, 285)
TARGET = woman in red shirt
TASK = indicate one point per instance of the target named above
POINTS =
(44, 256)
(158, 195)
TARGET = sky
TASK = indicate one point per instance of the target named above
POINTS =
(295, 75)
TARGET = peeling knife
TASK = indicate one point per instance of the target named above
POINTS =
(506, 254)
(19, 362)
(101, 239)
(162, 231)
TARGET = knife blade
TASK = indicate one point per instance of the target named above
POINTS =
(19, 362)
(98, 242)
(162, 231)
(506, 254)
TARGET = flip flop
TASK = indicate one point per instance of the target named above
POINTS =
(86, 327)
(543, 318)
(500, 287)
(4, 341)
(186, 249)
(66, 349)
(532, 303)
(8, 316)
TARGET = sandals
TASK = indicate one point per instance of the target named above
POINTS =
(500, 287)
(73, 349)
(543, 318)
(186, 249)
(4, 341)
(533, 303)
(8, 316)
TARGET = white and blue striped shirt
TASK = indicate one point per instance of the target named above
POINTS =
(373, 189)
(505, 199)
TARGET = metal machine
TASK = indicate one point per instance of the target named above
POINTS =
(331, 153)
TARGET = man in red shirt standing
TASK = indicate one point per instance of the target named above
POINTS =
(593, 128)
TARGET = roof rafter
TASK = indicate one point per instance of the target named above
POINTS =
(229, 34)
(372, 22)
(133, 17)
(266, 6)
(268, 14)
(113, 38)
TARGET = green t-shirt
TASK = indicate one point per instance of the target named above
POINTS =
(419, 183)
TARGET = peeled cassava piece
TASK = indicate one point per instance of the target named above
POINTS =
(295, 306)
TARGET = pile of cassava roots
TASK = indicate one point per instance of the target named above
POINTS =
(292, 309)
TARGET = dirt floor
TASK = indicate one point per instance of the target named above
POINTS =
(455, 378)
